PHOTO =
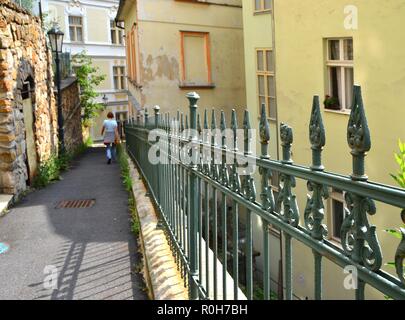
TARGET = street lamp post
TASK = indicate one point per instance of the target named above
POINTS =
(105, 101)
(56, 41)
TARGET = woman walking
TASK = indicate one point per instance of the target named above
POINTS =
(111, 137)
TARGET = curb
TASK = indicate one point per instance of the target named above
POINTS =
(163, 279)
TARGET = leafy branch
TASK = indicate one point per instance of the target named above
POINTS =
(400, 159)
(89, 78)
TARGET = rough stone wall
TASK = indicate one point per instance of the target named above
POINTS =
(23, 57)
(71, 114)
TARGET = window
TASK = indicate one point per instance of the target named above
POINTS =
(266, 81)
(338, 213)
(340, 74)
(196, 59)
(116, 33)
(262, 5)
(119, 78)
(131, 48)
(76, 29)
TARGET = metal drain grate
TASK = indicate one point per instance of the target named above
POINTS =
(77, 204)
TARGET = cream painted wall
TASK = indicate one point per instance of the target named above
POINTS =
(160, 58)
(105, 67)
(301, 27)
(98, 26)
(57, 12)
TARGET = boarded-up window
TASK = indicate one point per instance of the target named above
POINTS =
(196, 58)
(134, 48)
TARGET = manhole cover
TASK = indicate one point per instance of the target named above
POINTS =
(3, 248)
(88, 203)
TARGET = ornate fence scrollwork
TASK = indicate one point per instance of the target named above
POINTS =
(192, 197)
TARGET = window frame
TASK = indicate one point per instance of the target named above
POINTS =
(262, 8)
(134, 50)
(119, 34)
(335, 196)
(342, 64)
(119, 73)
(266, 74)
(75, 27)
(128, 43)
(207, 46)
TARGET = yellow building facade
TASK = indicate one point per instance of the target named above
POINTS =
(174, 47)
(324, 47)
(261, 76)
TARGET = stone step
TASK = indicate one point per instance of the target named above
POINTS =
(5, 200)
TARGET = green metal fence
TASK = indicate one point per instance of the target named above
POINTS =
(186, 195)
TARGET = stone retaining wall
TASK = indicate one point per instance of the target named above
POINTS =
(71, 113)
(25, 70)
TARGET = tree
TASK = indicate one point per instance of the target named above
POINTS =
(89, 78)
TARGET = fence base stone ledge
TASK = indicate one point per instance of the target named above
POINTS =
(163, 279)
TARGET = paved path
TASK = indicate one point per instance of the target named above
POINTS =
(93, 249)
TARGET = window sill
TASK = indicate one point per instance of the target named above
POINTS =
(343, 112)
(257, 13)
(196, 86)
(336, 242)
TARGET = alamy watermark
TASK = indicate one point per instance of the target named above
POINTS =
(351, 21)
(200, 150)
(51, 277)
(351, 281)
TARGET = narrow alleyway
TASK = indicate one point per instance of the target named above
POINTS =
(93, 249)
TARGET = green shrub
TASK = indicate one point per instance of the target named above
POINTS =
(51, 169)
(127, 182)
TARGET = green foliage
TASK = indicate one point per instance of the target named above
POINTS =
(51, 169)
(135, 224)
(27, 4)
(48, 171)
(258, 292)
(331, 103)
(400, 159)
(89, 78)
(125, 173)
(395, 232)
(127, 181)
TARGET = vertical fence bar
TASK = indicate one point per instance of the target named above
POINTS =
(157, 186)
(214, 176)
(266, 197)
(287, 199)
(314, 215)
(200, 202)
(249, 192)
(207, 208)
(234, 181)
(288, 266)
(224, 178)
(194, 197)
